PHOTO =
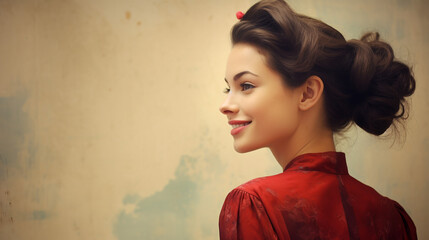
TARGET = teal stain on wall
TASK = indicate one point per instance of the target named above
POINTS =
(165, 214)
(39, 215)
(186, 208)
(131, 199)
(14, 125)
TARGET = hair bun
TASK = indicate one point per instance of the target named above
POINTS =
(380, 84)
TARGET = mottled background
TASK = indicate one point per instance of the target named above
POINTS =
(109, 122)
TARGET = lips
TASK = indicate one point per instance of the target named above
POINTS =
(238, 125)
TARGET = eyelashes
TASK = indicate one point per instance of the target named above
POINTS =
(244, 87)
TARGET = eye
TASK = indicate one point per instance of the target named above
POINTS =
(226, 90)
(246, 86)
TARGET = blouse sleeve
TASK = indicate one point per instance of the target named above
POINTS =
(244, 217)
(410, 232)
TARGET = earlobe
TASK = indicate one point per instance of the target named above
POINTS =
(312, 91)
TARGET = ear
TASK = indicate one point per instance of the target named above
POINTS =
(311, 92)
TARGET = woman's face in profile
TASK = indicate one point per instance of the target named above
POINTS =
(262, 110)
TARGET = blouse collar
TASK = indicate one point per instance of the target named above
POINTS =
(329, 162)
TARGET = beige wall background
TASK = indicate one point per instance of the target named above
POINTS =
(109, 122)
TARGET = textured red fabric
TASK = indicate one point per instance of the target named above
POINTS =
(314, 198)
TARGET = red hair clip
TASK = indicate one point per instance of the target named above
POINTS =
(239, 15)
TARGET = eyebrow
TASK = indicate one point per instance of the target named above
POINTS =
(240, 74)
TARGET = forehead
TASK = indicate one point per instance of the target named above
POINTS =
(245, 57)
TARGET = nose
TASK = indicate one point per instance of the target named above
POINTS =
(228, 106)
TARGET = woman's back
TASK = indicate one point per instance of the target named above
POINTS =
(314, 198)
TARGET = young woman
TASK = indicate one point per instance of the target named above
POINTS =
(293, 81)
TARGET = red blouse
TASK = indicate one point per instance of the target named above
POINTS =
(314, 198)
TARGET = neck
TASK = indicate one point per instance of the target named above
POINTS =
(298, 144)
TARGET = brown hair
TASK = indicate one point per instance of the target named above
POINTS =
(364, 83)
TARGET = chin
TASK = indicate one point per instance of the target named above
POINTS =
(244, 148)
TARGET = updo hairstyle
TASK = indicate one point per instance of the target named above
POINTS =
(363, 82)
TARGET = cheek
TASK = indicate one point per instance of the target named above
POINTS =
(275, 118)
(280, 118)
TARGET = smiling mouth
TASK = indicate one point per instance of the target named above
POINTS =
(240, 125)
